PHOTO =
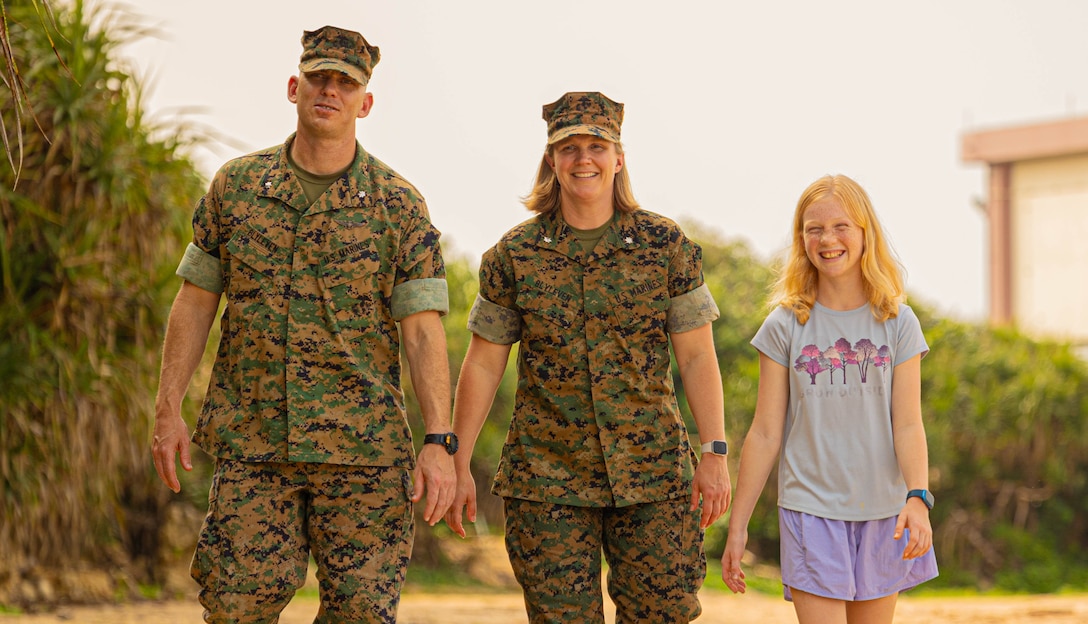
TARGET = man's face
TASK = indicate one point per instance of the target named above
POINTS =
(328, 102)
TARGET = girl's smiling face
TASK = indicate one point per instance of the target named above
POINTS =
(834, 243)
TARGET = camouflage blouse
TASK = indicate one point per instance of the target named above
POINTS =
(308, 366)
(596, 421)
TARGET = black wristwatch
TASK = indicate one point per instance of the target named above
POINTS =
(925, 495)
(448, 440)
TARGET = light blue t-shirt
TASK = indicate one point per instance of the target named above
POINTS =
(837, 459)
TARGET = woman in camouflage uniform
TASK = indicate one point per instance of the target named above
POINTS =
(597, 457)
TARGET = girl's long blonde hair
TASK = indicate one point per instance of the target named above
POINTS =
(882, 274)
(544, 198)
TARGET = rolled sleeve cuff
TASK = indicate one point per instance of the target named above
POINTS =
(201, 268)
(420, 295)
(691, 310)
(494, 323)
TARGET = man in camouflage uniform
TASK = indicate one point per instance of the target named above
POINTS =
(597, 456)
(320, 251)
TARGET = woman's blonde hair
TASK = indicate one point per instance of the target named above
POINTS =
(882, 274)
(544, 198)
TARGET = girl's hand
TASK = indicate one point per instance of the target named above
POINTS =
(734, 551)
(915, 518)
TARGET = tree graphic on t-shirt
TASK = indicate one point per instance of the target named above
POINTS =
(811, 361)
(841, 355)
(866, 353)
(846, 354)
(883, 359)
(834, 362)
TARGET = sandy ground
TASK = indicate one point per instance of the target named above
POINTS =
(507, 608)
(484, 559)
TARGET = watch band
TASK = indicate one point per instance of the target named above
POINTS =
(925, 495)
(716, 447)
(447, 440)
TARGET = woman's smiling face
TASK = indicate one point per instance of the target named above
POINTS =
(586, 167)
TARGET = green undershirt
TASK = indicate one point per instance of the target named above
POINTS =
(588, 239)
(314, 185)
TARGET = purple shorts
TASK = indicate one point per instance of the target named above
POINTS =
(847, 560)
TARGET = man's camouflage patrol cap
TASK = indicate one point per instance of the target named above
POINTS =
(583, 113)
(345, 51)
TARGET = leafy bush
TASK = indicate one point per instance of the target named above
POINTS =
(89, 239)
(90, 235)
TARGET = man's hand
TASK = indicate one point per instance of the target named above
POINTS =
(712, 484)
(170, 439)
(434, 474)
(191, 318)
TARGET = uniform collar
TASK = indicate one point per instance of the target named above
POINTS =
(280, 183)
(556, 235)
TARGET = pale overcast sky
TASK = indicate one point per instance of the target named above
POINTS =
(732, 108)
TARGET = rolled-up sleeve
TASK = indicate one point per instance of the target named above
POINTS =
(201, 268)
(493, 322)
(691, 310)
(420, 295)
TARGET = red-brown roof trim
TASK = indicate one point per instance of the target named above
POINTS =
(1044, 140)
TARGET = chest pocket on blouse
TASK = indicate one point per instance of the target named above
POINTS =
(547, 318)
(256, 265)
(640, 312)
(350, 281)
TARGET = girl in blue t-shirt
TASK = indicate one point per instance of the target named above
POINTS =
(839, 406)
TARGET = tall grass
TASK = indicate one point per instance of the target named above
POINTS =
(90, 233)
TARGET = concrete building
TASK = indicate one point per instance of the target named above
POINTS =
(1037, 207)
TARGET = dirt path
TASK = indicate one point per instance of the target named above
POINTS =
(507, 608)
(484, 559)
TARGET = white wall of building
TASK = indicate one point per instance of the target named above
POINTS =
(1050, 245)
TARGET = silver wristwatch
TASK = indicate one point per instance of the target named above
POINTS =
(716, 447)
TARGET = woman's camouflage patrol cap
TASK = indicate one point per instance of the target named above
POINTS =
(583, 113)
(345, 51)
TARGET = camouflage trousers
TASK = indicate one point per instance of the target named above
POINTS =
(654, 551)
(266, 519)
